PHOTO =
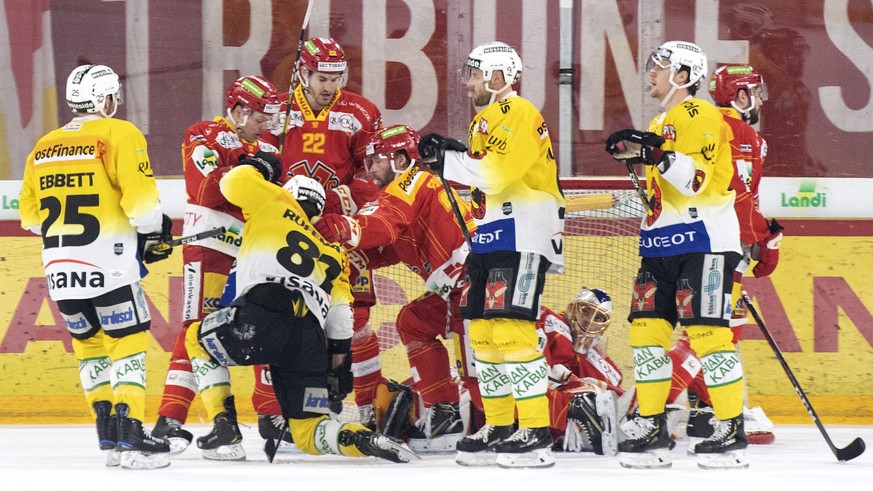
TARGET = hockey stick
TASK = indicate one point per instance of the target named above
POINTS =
(163, 246)
(636, 182)
(271, 446)
(844, 454)
(457, 209)
(294, 69)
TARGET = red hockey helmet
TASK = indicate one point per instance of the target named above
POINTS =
(727, 80)
(323, 55)
(255, 93)
(388, 142)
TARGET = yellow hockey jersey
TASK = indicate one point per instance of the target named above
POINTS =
(517, 201)
(88, 188)
(693, 202)
(280, 245)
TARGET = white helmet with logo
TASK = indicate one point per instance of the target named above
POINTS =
(678, 54)
(493, 57)
(306, 189)
(89, 85)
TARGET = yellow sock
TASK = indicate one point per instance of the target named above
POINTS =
(653, 370)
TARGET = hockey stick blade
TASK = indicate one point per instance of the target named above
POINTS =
(271, 446)
(844, 454)
(214, 232)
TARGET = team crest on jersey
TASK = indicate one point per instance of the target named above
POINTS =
(654, 203)
(644, 293)
(495, 289)
(228, 140)
(483, 126)
(668, 132)
(477, 201)
(318, 171)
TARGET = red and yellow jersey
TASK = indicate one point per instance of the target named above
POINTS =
(559, 351)
(209, 150)
(516, 200)
(748, 150)
(88, 187)
(281, 245)
(329, 146)
(414, 219)
(693, 201)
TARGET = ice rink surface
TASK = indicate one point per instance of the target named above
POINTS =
(67, 458)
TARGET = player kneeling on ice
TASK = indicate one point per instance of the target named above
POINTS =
(291, 312)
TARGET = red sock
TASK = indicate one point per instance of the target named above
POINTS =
(180, 387)
(684, 359)
(263, 397)
(366, 368)
(431, 377)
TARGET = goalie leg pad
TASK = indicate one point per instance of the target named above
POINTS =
(607, 411)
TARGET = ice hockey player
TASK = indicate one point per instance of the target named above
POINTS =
(209, 150)
(690, 246)
(584, 383)
(518, 209)
(411, 222)
(292, 312)
(89, 191)
(325, 137)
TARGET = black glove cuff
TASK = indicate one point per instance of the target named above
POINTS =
(339, 346)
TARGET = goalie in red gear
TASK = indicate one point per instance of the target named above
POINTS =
(326, 135)
(584, 383)
(411, 222)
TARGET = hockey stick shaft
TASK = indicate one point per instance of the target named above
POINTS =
(636, 182)
(849, 452)
(294, 70)
(459, 217)
(215, 232)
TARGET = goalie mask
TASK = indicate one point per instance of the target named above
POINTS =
(728, 80)
(678, 55)
(589, 315)
(308, 192)
(87, 89)
(386, 144)
(322, 55)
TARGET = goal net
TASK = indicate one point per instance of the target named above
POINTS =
(600, 250)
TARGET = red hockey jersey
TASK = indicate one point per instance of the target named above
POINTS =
(412, 222)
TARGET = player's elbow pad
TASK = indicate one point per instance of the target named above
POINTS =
(679, 170)
(339, 322)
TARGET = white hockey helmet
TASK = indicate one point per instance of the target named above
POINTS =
(88, 86)
(494, 56)
(678, 54)
(305, 188)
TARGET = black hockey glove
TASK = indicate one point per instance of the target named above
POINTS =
(635, 147)
(432, 149)
(153, 246)
(267, 164)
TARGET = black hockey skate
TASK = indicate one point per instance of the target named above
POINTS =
(138, 448)
(224, 442)
(376, 445)
(170, 429)
(527, 447)
(700, 418)
(725, 449)
(478, 449)
(439, 430)
(107, 432)
(648, 445)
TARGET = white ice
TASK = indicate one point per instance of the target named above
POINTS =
(66, 457)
